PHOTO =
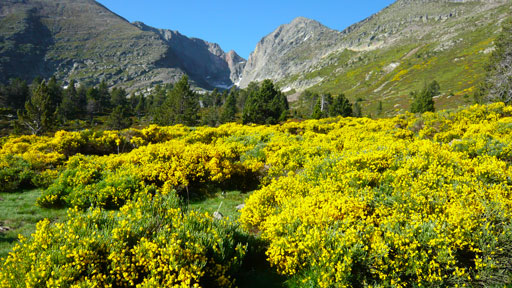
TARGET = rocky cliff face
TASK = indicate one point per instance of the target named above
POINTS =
(201, 60)
(290, 49)
(83, 40)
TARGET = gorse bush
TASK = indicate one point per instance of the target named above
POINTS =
(410, 201)
(15, 173)
(150, 242)
(392, 209)
(109, 181)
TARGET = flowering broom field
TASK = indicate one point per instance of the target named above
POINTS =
(410, 201)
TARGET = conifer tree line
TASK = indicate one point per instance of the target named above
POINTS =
(315, 106)
(47, 105)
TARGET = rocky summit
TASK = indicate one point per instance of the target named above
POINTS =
(292, 48)
(83, 40)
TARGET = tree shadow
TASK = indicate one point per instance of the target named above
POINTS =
(4, 238)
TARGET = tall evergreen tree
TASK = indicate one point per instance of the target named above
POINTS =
(39, 115)
(341, 107)
(118, 98)
(119, 118)
(93, 102)
(229, 108)
(55, 91)
(140, 109)
(180, 107)
(307, 104)
(215, 99)
(82, 100)
(423, 101)
(322, 107)
(15, 94)
(317, 110)
(103, 98)
(156, 99)
(70, 102)
(266, 105)
(243, 95)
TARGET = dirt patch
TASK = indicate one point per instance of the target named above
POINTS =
(413, 51)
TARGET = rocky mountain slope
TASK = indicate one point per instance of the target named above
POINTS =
(292, 48)
(387, 55)
(83, 40)
(201, 59)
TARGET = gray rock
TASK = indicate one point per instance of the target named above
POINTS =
(290, 49)
(240, 207)
(4, 228)
(217, 215)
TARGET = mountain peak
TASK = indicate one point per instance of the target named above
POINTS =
(290, 48)
(301, 19)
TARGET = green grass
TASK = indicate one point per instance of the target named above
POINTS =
(256, 271)
(19, 212)
(229, 200)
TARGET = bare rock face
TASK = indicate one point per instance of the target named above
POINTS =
(236, 65)
(291, 48)
(204, 62)
(84, 41)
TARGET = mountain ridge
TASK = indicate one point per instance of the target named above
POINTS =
(381, 58)
(395, 51)
(85, 41)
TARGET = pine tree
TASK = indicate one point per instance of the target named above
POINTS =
(118, 97)
(81, 107)
(15, 94)
(103, 99)
(306, 104)
(215, 99)
(180, 107)
(341, 107)
(155, 101)
(140, 109)
(93, 103)
(423, 101)
(280, 107)
(55, 92)
(69, 104)
(229, 109)
(119, 118)
(317, 110)
(39, 115)
(265, 105)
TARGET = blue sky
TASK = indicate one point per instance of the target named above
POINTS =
(239, 25)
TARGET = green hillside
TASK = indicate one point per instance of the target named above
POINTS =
(450, 51)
